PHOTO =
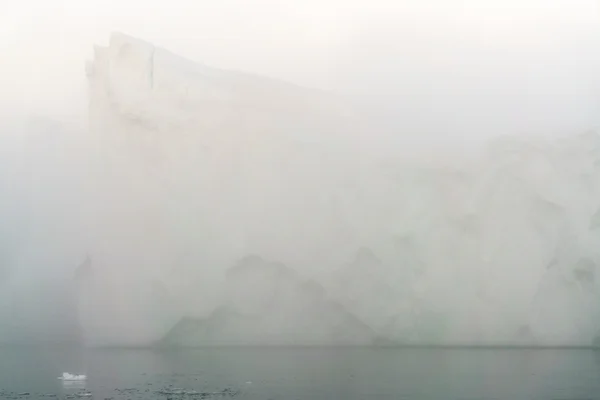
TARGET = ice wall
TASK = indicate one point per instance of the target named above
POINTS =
(199, 168)
(267, 304)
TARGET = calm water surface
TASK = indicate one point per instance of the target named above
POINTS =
(313, 373)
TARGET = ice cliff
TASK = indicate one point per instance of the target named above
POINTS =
(197, 169)
(267, 303)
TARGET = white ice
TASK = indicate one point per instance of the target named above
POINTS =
(193, 169)
(70, 377)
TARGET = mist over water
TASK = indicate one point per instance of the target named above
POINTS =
(438, 183)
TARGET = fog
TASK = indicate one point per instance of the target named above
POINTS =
(509, 62)
(372, 201)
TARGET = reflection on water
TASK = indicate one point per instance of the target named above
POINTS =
(311, 373)
(73, 385)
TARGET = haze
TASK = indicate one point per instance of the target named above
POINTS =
(424, 75)
(501, 61)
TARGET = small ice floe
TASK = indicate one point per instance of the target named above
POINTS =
(68, 377)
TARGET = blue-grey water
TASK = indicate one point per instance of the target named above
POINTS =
(302, 373)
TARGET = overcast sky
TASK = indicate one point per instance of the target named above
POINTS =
(502, 59)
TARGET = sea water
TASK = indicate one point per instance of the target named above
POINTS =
(301, 373)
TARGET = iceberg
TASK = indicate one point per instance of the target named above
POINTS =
(70, 377)
(268, 304)
(199, 168)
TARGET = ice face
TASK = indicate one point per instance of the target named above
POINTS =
(194, 169)
(268, 304)
(202, 167)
